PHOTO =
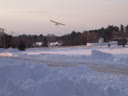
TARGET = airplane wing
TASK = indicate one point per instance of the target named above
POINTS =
(53, 21)
(57, 23)
(61, 23)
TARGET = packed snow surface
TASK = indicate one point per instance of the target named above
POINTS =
(104, 55)
(27, 73)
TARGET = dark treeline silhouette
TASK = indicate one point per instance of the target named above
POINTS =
(5, 38)
(109, 33)
(75, 38)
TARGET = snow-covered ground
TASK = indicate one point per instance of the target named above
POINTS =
(28, 73)
(79, 54)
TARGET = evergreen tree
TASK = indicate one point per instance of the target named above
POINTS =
(121, 28)
(45, 42)
(22, 46)
(126, 29)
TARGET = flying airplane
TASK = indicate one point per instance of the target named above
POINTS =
(57, 23)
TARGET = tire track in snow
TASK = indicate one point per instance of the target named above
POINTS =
(120, 70)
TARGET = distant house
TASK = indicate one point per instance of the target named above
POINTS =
(38, 44)
(102, 43)
(51, 44)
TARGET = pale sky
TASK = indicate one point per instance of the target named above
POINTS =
(32, 16)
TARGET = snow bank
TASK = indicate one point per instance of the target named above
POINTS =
(29, 79)
(8, 52)
(73, 55)
(101, 55)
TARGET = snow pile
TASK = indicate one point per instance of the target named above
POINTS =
(21, 72)
(25, 76)
(72, 55)
(101, 55)
(6, 54)
(29, 79)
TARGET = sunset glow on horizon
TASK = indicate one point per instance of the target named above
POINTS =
(32, 16)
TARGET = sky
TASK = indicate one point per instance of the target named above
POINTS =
(32, 16)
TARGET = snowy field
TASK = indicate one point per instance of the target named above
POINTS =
(65, 71)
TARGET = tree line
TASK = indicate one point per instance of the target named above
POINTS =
(74, 38)
(109, 33)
